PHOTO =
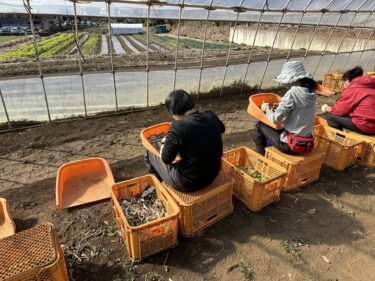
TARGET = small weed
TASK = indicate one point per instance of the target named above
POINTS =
(291, 247)
(246, 270)
(130, 271)
(151, 276)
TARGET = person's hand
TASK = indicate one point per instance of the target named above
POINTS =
(264, 106)
(326, 108)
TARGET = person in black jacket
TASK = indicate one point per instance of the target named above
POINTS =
(196, 138)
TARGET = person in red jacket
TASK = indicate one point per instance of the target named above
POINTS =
(355, 108)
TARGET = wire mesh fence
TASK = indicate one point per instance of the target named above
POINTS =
(260, 36)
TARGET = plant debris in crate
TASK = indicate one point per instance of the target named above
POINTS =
(144, 208)
(252, 173)
(155, 140)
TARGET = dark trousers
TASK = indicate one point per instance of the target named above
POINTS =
(263, 133)
(341, 122)
(165, 173)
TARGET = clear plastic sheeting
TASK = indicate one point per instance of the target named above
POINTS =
(195, 10)
(346, 20)
(64, 96)
(160, 84)
(187, 79)
(24, 99)
(131, 89)
(99, 92)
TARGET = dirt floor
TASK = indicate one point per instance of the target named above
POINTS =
(323, 232)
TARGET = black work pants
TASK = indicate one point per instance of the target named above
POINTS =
(263, 133)
(341, 122)
(165, 173)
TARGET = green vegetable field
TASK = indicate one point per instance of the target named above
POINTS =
(91, 46)
(47, 47)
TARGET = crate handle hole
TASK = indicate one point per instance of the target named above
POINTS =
(211, 218)
(156, 231)
(304, 180)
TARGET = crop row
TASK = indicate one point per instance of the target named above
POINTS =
(47, 47)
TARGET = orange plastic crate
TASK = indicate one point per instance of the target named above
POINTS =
(154, 130)
(33, 255)
(366, 155)
(301, 169)
(254, 194)
(255, 101)
(370, 74)
(333, 81)
(204, 207)
(153, 237)
(320, 121)
(7, 226)
(342, 148)
(324, 91)
(83, 181)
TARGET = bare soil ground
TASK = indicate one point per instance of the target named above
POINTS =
(217, 31)
(157, 60)
(323, 232)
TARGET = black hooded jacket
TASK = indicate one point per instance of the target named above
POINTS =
(197, 139)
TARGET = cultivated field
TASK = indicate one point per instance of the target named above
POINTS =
(58, 53)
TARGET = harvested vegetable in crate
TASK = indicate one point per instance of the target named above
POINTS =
(144, 208)
(252, 173)
(272, 106)
(155, 140)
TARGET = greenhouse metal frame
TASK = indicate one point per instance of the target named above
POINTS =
(332, 14)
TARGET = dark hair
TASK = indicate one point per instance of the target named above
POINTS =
(308, 83)
(178, 102)
(352, 73)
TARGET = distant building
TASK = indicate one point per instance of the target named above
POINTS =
(162, 28)
(13, 20)
(127, 28)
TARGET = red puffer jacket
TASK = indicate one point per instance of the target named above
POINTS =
(358, 101)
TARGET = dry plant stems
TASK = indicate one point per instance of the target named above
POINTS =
(144, 208)
(155, 140)
(252, 173)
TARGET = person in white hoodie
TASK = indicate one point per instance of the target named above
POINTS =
(296, 110)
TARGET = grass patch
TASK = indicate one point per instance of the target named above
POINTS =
(190, 43)
(291, 247)
(246, 270)
(232, 89)
(8, 38)
(91, 46)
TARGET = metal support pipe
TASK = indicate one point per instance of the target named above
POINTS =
(28, 9)
(328, 41)
(365, 45)
(230, 48)
(357, 38)
(315, 29)
(147, 57)
(297, 30)
(177, 40)
(79, 57)
(344, 37)
(193, 4)
(203, 49)
(369, 60)
(252, 47)
(5, 109)
(111, 52)
(273, 44)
